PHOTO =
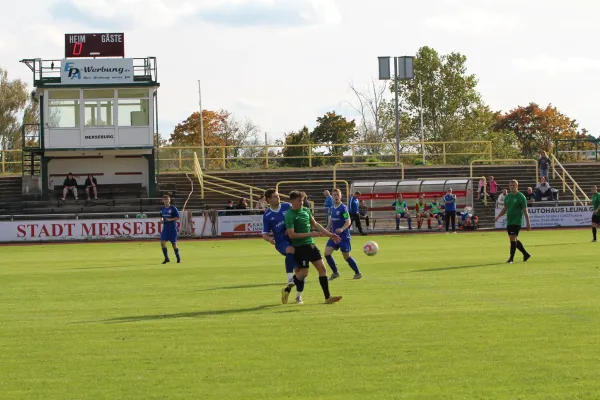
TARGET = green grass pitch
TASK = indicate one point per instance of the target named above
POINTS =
(435, 317)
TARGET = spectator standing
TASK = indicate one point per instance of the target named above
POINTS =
(450, 210)
(493, 189)
(544, 164)
(69, 185)
(354, 215)
(327, 205)
(91, 185)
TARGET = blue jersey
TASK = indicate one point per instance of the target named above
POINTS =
(339, 216)
(169, 227)
(354, 205)
(274, 221)
(450, 202)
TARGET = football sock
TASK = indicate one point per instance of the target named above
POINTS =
(408, 219)
(353, 265)
(513, 248)
(290, 276)
(325, 286)
(166, 253)
(299, 284)
(397, 223)
(177, 254)
(520, 247)
(594, 232)
(331, 263)
(290, 263)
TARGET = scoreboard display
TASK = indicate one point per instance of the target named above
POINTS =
(79, 45)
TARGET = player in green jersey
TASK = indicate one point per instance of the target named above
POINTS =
(299, 222)
(596, 211)
(515, 208)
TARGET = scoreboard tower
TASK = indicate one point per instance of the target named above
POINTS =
(97, 115)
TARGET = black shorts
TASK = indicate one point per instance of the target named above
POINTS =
(513, 229)
(306, 254)
(596, 218)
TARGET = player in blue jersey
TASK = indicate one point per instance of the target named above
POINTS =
(340, 222)
(169, 216)
(274, 232)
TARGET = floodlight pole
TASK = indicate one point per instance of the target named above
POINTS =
(201, 125)
(397, 114)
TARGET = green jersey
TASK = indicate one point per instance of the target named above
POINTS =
(400, 207)
(515, 204)
(596, 202)
(434, 208)
(300, 221)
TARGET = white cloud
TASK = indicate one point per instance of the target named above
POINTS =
(471, 20)
(553, 65)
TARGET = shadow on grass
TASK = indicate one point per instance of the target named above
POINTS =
(281, 285)
(452, 268)
(138, 318)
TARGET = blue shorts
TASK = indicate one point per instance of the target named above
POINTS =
(282, 246)
(402, 215)
(343, 246)
(166, 236)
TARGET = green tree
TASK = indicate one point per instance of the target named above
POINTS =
(536, 128)
(295, 148)
(451, 103)
(13, 99)
(334, 129)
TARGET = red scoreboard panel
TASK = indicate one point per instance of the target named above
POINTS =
(94, 45)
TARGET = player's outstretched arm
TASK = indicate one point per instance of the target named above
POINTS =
(317, 226)
(294, 235)
(527, 222)
(502, 212)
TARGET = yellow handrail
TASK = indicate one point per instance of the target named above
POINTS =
(365, 163)
(537, 172)
(198, 173)
(219, 154)
(564, 177)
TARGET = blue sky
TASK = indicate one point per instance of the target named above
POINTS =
(283, 63)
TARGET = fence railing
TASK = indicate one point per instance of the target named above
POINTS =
(10, 162)
(567, 180)
(176, 159)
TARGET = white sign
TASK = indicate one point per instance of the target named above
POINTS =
(240, 225)
(90, 229)
(96, 71)
(551, 217)
(98, 138)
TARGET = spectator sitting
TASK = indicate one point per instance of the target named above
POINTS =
(229, 206)
(242, 205)
(481, 187)
(543, 190)
(493, 189)
(363, 211)
(262, 204)
(91, 185)
(69, 185)
(530, 196)
(500, 201)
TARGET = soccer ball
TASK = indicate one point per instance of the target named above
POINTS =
(370, 248)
